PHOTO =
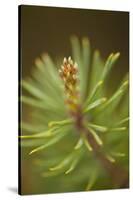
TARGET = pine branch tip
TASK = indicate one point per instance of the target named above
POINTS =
(31, 152)
(100, 83)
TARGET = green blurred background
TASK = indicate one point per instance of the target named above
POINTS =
(45, 29)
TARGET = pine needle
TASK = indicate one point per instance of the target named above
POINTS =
(95, 104)
(96, 136)
(54, 140)
(94, 91)
(97, 127)
(109, 64)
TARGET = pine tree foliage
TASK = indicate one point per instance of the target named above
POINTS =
(62, 156)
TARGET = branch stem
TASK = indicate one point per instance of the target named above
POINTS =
(118, 175)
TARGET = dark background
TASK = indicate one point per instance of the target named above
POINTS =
(48, 29)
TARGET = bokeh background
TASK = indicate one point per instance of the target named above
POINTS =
(47, 29)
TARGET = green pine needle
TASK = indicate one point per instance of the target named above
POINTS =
(51, 131)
